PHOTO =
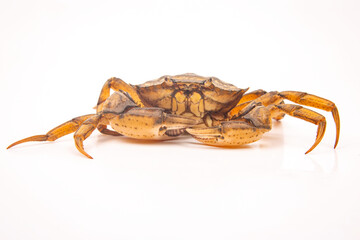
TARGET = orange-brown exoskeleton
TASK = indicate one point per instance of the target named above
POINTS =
(210, 110)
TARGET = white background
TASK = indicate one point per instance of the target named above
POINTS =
(54, 58)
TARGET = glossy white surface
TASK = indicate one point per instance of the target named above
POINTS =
(55, 56)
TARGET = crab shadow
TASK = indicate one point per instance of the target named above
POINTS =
(123, 139)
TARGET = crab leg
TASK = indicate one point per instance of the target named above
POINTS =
(251, 96)
(57, 132)
(255, 98)
(267, 99)
(84, 131)
(104, 130)
(316, 102)
(307, 115)
(117, 84)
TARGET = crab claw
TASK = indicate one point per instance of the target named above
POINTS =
(228, 134)
(151, 123)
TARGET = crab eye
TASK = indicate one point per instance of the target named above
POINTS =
(208, 82)
(168, 81)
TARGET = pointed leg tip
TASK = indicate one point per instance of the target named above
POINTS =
(79, 145)
(14, 144)
(312, 147)
(336, 142)
(30, 139)
(336, 117)
(85, 153)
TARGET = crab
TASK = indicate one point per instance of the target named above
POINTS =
(213, 112)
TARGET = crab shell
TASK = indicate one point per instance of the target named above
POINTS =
(190, 94)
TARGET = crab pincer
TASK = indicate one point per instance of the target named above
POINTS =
(228, 134)
(150, 123)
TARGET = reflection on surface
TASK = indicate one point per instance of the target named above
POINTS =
(324, 162)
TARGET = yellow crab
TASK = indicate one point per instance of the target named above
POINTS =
(212, 111)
